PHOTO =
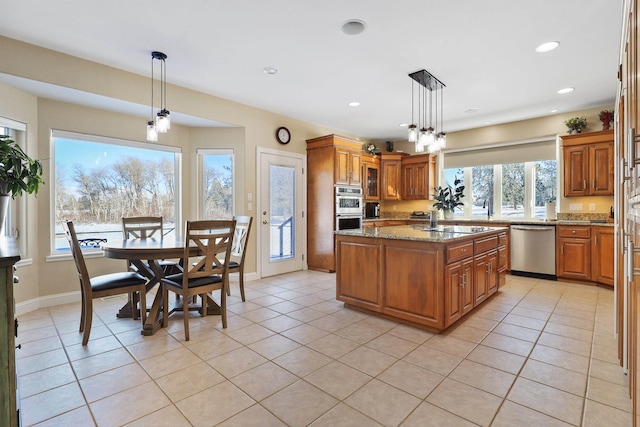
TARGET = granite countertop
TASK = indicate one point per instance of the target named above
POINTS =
(422, 233)
(510, 221)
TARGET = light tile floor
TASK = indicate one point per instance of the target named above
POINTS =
(539, 353)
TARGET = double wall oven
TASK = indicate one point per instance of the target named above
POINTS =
(348, 208)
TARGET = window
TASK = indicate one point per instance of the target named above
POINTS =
(99, 180)
(216, 198)
(518, 186)
(15, 222)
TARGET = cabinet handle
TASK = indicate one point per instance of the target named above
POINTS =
(584, 184)
(594, 184)
(573, 231)
(561, 250)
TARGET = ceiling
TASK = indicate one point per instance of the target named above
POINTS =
(483, 51)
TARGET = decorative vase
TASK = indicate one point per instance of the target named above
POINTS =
(4, 209)
(606, 125)
(448, 214)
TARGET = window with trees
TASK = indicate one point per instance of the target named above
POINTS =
(216, 166)
(518, 186)
(99, 180)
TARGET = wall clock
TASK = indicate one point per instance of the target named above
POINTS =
(283, 135)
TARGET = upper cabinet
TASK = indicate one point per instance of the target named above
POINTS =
(588, 164)
(371, 177)
(418, 176)
(348, 170)
(392, 175)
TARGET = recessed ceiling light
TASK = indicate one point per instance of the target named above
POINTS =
(271, 70)
(471, 110)
(566, 90)
(555, 110)
(353, 27)
(546, 47)
(354, 104)
(403, 125)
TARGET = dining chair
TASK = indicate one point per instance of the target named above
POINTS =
(239, 249)
(204, 273)
(143, 227)
(126, 282)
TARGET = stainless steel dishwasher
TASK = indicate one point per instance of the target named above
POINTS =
(533, 251)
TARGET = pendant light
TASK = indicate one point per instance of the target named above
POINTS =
(429, 138)
(162, 122)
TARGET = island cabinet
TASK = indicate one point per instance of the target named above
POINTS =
(588, 164)
(425, 278)
(418, 177)
(573, 252)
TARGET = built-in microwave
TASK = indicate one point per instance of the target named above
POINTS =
(372, 210)
(348, 201)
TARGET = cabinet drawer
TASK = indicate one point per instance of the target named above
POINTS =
(577, 232)
(459, 251)
(502, 239)
(483, 244)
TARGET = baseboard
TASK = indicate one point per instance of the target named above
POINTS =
(47, 301)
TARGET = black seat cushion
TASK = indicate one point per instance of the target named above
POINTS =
(116, 280)
(233, 264)
(176, 280)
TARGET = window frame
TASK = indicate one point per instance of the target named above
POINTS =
(83, 137)
(201, 153)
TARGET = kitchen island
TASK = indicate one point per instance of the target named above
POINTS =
(427, 277)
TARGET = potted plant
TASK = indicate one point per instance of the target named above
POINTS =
(576, 124)
(606, 117)
(448, 198)
(18, 173)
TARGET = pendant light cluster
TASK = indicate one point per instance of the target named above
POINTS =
(160, 123)
(428, 134)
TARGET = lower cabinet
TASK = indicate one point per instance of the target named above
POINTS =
(573, 252)
(485, 275)
(602, 244)
(458, 290)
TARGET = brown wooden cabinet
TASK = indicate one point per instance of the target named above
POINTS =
(602, 246)
(371, 178)
(418, 176)
(458, 290)
(573, 252)
(588, 164)
(348, 170)
(391, 176)
(9, 412)
(331, 160)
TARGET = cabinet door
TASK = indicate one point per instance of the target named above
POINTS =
(601, 169)
(342, 166)
(493, 275)
(480, 278)
(355, 171)
(420, 181)
(466, 293)
(602, 249)
(391, 180)
(576, 170)
(454, 282)
(371, 178)
(407, 182)
(573, 258)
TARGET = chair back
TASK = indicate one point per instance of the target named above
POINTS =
(241, 236)
(214, 240)
(142, 227)
(78, 257)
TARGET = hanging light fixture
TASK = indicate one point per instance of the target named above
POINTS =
(162, 122)
(428, 138)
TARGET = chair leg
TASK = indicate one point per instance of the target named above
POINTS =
(203, 308)
(87, 309)
(134, 305)
(241, 273)
(185, 315)
(223, 304)
(165, 305)
(143, 304)
(81, 329)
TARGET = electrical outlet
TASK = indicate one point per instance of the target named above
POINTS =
(249, 197)
(575, 206)
(592, 206)
(249, 206)
(393, 207)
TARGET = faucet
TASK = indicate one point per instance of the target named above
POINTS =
(487, 205)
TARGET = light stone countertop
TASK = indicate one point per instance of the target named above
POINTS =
(422, 233)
